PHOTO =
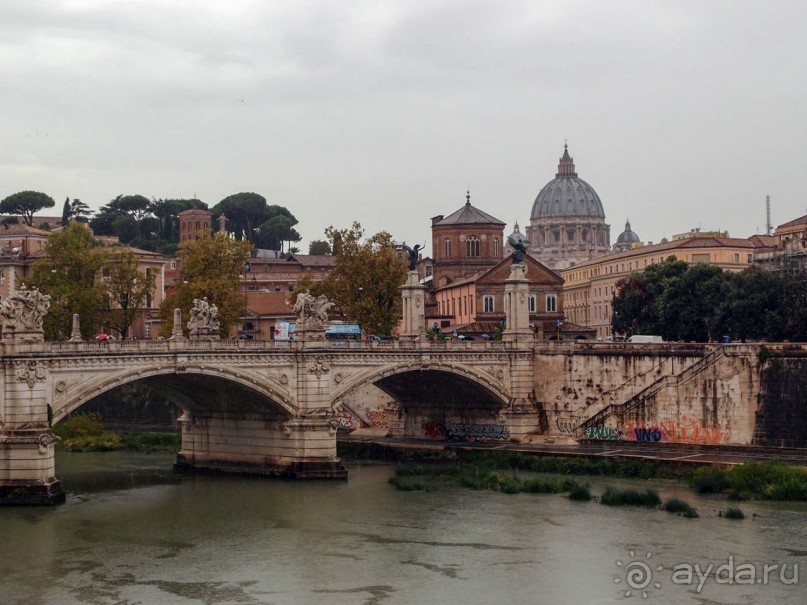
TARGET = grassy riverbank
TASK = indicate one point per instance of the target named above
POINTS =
(499, 470)
(85, 433)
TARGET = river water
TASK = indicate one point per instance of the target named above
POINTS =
(134, 532)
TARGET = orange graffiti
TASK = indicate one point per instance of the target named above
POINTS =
(677, 431)
(690, 431)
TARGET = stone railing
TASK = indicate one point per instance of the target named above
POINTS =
(95, 347)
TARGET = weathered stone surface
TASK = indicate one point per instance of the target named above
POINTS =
(275, 407)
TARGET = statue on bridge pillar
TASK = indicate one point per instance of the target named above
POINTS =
(519, 243)
(414, 255)
(22, 315)
(204, 322)
(312, 313)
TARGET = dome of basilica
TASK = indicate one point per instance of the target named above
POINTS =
(627, 236)
(567, 194)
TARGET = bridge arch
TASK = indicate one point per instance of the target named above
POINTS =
(257, 393)
(482, 380)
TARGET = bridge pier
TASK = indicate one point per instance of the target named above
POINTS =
(300, 448)
(27, 468)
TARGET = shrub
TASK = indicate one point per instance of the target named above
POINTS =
(680, 507)
(580, 492)
(79, 426)
(708, 480)
(630, 497)
(734, 513)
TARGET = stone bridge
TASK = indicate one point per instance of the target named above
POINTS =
(273, 407)
(252, 406)
(257, 407)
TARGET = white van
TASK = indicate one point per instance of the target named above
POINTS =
(644, 338)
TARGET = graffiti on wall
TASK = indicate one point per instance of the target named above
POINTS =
(568, 424)
(676, 431)
(476, 431)
(378, 418)
(672, 431)
(604, 433)
(648, 434)
(343, 421)
(689, 431)
(433, 430)
(461, 432)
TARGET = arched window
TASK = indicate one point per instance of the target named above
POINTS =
(472, 246)
(551, 303)
(533, 303)
(447, 248)
(487, 303)
(495, 246)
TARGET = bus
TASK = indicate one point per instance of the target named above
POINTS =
(334, 330)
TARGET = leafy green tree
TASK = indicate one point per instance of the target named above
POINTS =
(80, 211)
(794, 306)
(319, 248)
(277, 229)
(210, 267)
(251, 218)
(109, 217)
(245, 213)
(128, 289)
(26, 203)
(66, 212)
(70, 273)
(102, 222)
(365, 282)
(753, 307)
(126, 228)
(636, 299)
(688, 305)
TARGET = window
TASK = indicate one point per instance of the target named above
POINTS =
(551, 303)
(447, 248)
(487, 303)
(737, 258)
(149, 297)
(428, 270)
(700, 258)
(147, 330)
(472, 246)
(2, 276)
(173, 265)
(533, 303)
(495, 246)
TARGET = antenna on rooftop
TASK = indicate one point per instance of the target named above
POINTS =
(768, 226)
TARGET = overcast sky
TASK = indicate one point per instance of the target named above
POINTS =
(680, 114)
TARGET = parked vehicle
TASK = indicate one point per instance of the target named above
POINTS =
(644, 338)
